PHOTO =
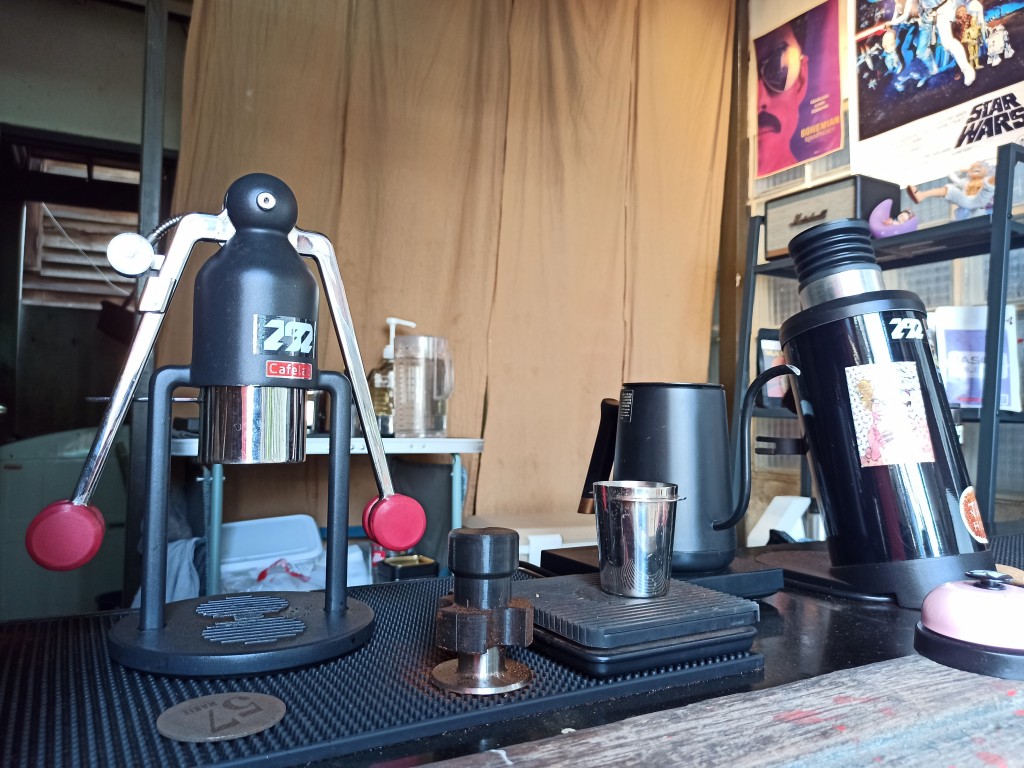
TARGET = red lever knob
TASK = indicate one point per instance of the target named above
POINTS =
(395, 522)
(65, 536)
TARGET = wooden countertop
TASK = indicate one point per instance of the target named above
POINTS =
(903, 712)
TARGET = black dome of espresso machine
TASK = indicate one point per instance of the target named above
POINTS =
(900, 514)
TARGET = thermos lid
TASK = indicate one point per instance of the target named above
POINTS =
(852, 306)
(834, 246)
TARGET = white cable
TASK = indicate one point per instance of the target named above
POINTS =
(53, 218)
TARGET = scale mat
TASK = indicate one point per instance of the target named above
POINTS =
(63, 701)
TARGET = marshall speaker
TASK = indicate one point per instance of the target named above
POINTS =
(853, 198)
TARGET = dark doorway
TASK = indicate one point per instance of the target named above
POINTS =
(64, 313)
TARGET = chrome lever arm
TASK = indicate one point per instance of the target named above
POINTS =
(156, 296)
(319, 248)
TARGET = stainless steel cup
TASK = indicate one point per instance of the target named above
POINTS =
(635, 526)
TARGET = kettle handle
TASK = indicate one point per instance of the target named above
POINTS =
(743, 465)
(603, 456)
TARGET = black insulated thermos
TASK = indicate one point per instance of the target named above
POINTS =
(899, 510)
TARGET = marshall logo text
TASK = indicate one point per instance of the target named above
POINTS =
(803, 219)
(991, 118)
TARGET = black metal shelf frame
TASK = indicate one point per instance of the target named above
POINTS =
(994, 235)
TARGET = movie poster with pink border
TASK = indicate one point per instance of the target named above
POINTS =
(799, 99)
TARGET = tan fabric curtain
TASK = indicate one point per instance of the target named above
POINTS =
(537, 180)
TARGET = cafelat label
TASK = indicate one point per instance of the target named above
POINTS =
(285, 369)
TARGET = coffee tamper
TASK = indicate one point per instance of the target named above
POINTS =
(480, 618)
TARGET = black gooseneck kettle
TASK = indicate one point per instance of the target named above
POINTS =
(898, 507)
(678, 433)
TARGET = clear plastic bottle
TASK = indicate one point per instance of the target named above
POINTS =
(424, 379)
(381, 381)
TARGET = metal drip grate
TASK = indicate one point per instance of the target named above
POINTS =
(250, 625)
(241, 606)
(253, 631)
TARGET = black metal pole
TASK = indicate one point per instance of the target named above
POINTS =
(336, 588)
(150, 183)
(998, 265)
(154, 555)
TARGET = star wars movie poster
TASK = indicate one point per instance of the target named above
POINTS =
(939, 85)
(799, 104)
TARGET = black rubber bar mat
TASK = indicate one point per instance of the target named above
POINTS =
(64, 702)
(1008, 550)
(576, 608)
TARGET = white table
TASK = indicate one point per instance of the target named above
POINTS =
(319, 444)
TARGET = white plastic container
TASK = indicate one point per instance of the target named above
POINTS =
(252, 545)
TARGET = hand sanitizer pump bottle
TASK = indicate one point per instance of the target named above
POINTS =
(382, 381)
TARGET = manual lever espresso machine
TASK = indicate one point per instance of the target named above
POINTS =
(253, 361)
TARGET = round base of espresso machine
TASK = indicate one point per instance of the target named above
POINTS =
(911, 580)
(243, 634)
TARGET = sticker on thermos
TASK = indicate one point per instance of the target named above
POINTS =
(220, 717)
(970, 512)
(889, 414)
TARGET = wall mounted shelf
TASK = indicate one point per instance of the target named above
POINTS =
(995, 235)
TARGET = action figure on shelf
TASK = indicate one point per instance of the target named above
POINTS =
(883, 224)
(971, 195)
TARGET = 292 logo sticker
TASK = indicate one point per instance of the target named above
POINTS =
(282, 335)
(906, 328)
